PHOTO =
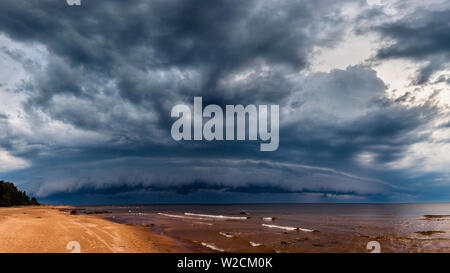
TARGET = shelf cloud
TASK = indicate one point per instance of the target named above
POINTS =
(87, 93)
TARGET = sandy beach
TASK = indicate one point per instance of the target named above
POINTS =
(48, 229)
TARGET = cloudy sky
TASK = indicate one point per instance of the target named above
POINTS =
(363, 87)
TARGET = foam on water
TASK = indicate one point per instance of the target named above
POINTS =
(288, 228)
(213, 247)
(226, 234)
(216, 216)
(179, 216)
(202, 223)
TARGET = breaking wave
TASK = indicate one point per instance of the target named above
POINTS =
(213, 247)
(216, 216)
(288, 228)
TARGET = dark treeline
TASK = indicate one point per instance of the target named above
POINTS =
(11, 196)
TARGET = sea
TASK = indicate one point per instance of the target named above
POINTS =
(287, 228)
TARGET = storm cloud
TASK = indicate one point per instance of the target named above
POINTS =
(423, 36)
(88, 116)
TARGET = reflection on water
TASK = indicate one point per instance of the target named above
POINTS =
(295, 227)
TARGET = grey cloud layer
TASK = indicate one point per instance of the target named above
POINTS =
(421, 36)
(115, 69)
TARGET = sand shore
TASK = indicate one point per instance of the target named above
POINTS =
(48, 229)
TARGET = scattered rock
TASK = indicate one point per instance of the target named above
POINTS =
(429, 232)
(436, 216)
(101, 211)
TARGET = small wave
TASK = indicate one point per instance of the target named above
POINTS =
(268, 218)
(184, 217)
(172, 215)
(288, 228)
(216, 216)
(254, 244)
(202, 223)
(226, 234)
(141, 213)
(213, 247)
(176, 216)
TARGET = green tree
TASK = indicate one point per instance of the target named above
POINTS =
(34, 201)
(11, 196)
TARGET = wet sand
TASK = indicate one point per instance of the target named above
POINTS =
(49, 229)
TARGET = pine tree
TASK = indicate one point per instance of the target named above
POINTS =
(11, 196)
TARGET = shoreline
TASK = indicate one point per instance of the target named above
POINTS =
(162, 229)
(48, 229)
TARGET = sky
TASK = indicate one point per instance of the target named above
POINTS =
(86, 94)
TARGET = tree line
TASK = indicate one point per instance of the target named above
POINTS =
(11, 196)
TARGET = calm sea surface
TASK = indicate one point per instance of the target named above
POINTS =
(294, 227)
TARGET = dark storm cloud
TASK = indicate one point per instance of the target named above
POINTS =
(344, 113)
(213, 37)
(445, 125)
(114, 70)
(200, 190)
(157, 53)
(196, 186)
(421, 36)
(385, 133)
(186, 175)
